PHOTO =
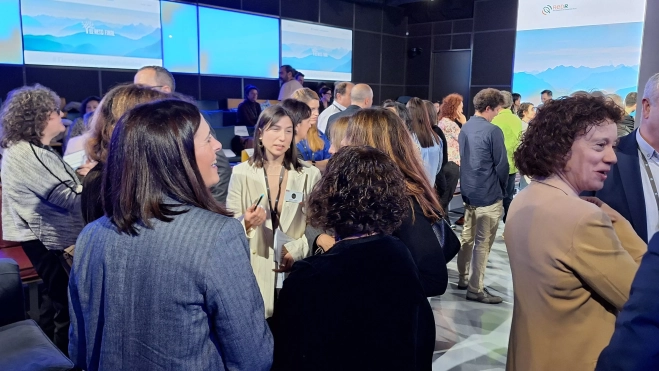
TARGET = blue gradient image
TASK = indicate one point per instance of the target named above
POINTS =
(235, 44)
(11, 44)
(180, 44)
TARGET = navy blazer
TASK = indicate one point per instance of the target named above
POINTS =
(623, 188)
(634, 345)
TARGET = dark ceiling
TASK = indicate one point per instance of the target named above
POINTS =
(420, 11)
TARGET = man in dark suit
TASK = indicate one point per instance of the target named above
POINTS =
(630, 187)
(361, 96)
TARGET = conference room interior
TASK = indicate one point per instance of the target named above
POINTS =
(400, 48)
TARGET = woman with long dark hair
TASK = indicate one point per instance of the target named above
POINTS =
(428, 142)
(163, 279)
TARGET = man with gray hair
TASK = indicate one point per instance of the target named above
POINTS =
(361, 96)
(511, 125)
(631, 186)
(342, 92)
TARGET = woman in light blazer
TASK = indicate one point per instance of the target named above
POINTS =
(572, 259)
(275, 173)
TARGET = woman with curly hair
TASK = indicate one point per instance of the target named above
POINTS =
(40, 197)
(116, 102)
(384, 130)
(572, 259)
(451, 119)
(315, 148)
(345, 309)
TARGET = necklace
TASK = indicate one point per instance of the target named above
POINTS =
(549, 185)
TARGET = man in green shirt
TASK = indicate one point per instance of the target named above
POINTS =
(511, 125)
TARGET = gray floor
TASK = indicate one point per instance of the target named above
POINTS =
(470, 335)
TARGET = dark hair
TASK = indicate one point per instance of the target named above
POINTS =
(401, 111)
(449, 107)
(269, 117)
(163, 76)
(324, 90)
(630, 99)
(297, 111)
(523, 108)
(288, 69)
(249, 88)
(138, 185)
(548, 92)
(85, 102)
(362, 192)
(546, 144)
(25, 114)
(298, 74)
(422, 123)
(516, 96)
(488, 98)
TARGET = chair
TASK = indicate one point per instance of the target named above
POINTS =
(23, 346)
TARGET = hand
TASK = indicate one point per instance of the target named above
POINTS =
(286, 261)
(325, 241)
(84, 168)
(608, 210)
(461, 118)
(254, 217)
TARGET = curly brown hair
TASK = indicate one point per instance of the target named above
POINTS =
(449, 107)
(25, 114)
(362, 192)
(545, 147)
(116, 102)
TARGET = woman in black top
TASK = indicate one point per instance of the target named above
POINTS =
(249, 110)
(325, 98)
(116, 102)
(360, 306)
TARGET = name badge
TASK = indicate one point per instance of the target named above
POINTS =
(292, 196)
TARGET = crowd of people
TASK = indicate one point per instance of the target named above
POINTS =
(319, 252)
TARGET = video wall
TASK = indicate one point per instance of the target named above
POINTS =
(185, 38)
(581, 45)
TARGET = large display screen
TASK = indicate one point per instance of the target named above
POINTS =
(581, 45)
(11, 44)
(180, 45)
(92, 33)
(320, 52)
(237, 44)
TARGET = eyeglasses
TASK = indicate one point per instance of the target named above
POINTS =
(58, 111)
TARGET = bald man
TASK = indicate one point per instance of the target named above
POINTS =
(361, 96)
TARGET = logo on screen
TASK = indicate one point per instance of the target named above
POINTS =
(547, 9)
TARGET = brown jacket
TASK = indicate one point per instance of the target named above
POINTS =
(572, 271)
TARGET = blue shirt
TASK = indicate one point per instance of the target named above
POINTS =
(309, 155)
(432, 159)
(651, 210)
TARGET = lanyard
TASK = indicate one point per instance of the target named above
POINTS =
(337, 107)
(274, 215)
(650, 176)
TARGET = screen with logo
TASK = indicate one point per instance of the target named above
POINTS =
(11, 44)
(92, 33)
(578, 45)
(180, 45)
(238, 44)
(320, 52)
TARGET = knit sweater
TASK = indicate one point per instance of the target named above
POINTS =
(40, 197)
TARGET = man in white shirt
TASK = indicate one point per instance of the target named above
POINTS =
(631, 185)
(290, 85)
(341, 101)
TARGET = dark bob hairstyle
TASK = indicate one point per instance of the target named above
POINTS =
(298, 111)
(362, 192)
(269, 117)
(546, 145)
(151, 167)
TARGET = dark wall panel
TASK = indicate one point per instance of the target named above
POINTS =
(463, 26)
(495, 15)
(187, 84)
(493, 58)
(366, 57)
(418, 67)
(450, 74)
(368, 18)
(72, 84)
(112, 78)
(376, 94)
(461, 41)
(11, 77)
(442, 42)
(393, 60)
(417, 91)
(337, 13)
(442, 28)
(394, 21)
(419, 29)
(268, 89)
(306, 10)
(217, 88)
(391, 92)
(235, 4)
(262, 6)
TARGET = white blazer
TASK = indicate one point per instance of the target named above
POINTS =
(246, 186)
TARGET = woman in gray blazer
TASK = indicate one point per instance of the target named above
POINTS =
(40, 197)
(163, 281)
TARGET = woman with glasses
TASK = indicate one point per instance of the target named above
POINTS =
(325, 98)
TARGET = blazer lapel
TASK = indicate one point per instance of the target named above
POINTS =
(632, 183)
(290, 209)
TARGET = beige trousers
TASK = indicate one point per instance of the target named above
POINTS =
(478, 234)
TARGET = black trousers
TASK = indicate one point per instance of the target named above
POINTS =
(452, 174)
(54, 308)
(510, 192)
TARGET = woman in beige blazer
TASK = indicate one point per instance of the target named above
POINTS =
(275, 172)
(572, 259)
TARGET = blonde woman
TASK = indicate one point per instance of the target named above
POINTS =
(315, 148)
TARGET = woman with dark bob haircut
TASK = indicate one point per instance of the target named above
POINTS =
(573, 259)
(40, 197)
(344, 309)
(164, 277)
